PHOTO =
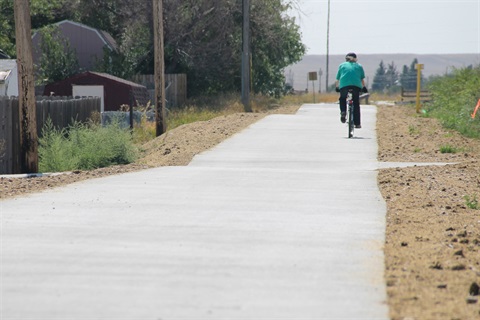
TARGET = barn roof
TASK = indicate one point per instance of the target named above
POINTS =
(114, 78)
(105, 36)
(117, 90)
(88, 43)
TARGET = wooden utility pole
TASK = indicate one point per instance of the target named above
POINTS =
(246, 57)
(312, 76)
(160, 116)
(328, 47)
(320, 73)
(26, 88)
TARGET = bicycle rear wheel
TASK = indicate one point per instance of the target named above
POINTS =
(351, 125)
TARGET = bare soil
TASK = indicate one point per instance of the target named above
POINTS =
(432, 259)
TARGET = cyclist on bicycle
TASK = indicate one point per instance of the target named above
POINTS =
(350, 75)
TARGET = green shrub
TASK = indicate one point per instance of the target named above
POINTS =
(84, 147)
(448, 149)
(472, 202)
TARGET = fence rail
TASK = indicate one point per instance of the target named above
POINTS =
(63, 111)
(410, 96)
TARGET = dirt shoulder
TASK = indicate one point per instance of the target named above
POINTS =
(432, 236)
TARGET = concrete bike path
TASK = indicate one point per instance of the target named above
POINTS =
(282, 221)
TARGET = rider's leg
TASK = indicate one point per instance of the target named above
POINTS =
(343, 99)
(343, 104)
(356, 106)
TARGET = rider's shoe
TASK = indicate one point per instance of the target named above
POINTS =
(343, 117)
(358, 126)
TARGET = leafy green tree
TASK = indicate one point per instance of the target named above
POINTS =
(112, 16)
(203, 38)
(58, 60)
(43, 12)
(209, 48)
(7, 25)
(131, 57)
(276, 43)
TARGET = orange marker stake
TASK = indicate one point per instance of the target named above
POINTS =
(476, 109)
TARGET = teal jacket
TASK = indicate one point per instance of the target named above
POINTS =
(350, 74)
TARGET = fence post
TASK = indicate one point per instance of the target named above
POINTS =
(419, 68)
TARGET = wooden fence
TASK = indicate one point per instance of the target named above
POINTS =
(175, 88)
(63, 111)
(411, 96)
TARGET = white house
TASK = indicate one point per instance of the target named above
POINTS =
(8, 77)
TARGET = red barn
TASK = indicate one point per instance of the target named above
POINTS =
(113, 91)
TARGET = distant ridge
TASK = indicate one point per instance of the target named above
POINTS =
(435, 64)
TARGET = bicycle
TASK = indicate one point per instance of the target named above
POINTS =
(350, 122)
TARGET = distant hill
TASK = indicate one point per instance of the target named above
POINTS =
(434, 64)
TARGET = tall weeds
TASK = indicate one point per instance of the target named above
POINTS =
(84, 147)
(454, 99)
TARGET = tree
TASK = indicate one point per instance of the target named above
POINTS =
(42, 12)
(132, 56)
(112, 16)
(385, 79)
(391, 76)
(202, 38)
(276, 44)
(408, 78)
(379, 82)
(45, 12)
(58, 60)
(7, 25)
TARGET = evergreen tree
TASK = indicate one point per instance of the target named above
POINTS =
(379, 80)
(408, 79)
(404, 77)
(391, 76)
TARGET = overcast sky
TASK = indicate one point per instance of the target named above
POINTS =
(390, 26)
